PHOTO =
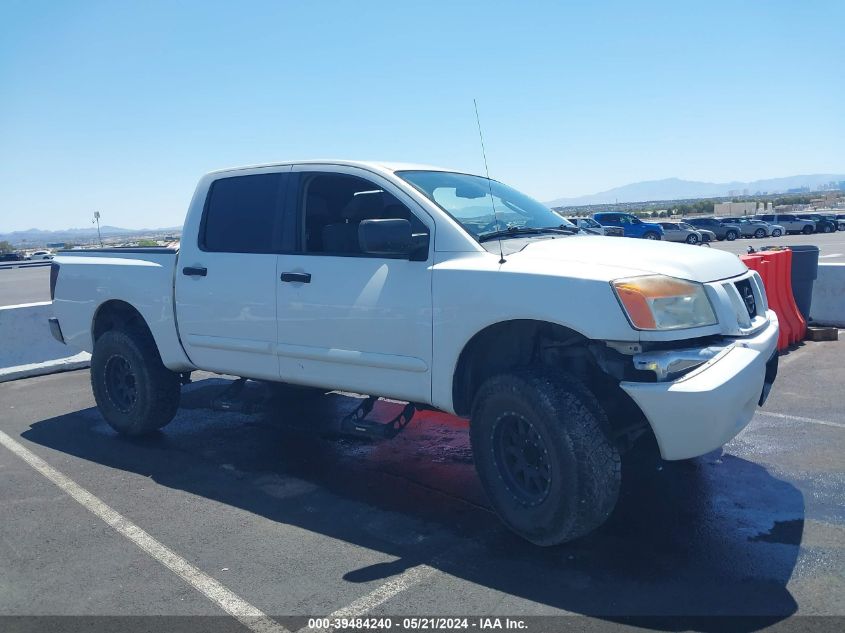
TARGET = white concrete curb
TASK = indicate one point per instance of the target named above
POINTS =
(27, 348)
(80, 361)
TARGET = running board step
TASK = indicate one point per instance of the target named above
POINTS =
(357, 424)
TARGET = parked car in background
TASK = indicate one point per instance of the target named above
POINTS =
(40, 255)
(822, 225)
(675, 232)
(830, 217)
(790, 222)
(631, 225)
(588, 225)
(722, 230)
(840, 221)
(749, 227)
(777, 230)
(11, 257)
(706, 236)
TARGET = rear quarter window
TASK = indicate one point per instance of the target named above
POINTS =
(243, 213)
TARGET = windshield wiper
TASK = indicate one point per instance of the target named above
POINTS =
(513, 231)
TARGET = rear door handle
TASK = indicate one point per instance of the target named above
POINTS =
(303, 278)
(194, 271)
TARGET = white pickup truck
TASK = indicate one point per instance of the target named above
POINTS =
(441, 289)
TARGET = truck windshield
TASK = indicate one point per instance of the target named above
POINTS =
(467, 199)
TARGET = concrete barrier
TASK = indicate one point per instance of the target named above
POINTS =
(828, 306)
(26, 346)
(24, 264)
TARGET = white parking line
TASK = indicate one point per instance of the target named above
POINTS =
(237, 607)
(798, 418)
(406, 580)
(831, 255)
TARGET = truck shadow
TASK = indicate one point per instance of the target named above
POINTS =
(718, 535)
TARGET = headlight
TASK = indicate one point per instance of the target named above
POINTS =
(657, 302)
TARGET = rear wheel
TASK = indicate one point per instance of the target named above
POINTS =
(543, 454)
(731, 236)
(692, 238)
(828, 228)
(807, 230)
(651, 235)
(135, 392)
(760, 233)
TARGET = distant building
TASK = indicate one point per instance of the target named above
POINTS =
(731, 209)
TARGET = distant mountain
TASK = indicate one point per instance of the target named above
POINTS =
(40, 237)
(677, 189)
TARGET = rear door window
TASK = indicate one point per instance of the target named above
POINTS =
(243, 214)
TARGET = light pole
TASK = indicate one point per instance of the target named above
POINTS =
(97, 220)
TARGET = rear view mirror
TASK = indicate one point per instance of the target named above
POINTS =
(389, 238)
(470, 192)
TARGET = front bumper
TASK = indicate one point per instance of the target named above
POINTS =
(706, 408)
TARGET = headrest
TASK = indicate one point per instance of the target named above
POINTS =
(365, 205)
(316, 206)
(394, 211)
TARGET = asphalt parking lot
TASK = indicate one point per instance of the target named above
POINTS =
(831, 245)
(292, 521)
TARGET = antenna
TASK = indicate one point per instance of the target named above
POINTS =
(489, 184)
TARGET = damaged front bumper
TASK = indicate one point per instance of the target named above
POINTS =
(704, 396)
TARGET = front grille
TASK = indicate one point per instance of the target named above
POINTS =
(746, 293)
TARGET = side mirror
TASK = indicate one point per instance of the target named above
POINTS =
(388, 238)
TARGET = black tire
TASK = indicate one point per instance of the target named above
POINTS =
(776, 233)
(807, 230)
(571, 471)
(828, 228)
(760, 233)
(651, 235)
(692, 238)
(731, 236)
(135, 392)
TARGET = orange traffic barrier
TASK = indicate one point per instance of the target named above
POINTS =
(797, 325)
(774, 267)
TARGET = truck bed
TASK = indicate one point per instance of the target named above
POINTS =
(140, 277)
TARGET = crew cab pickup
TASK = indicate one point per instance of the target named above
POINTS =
(445, 290)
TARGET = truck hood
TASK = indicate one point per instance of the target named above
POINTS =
(640, 257)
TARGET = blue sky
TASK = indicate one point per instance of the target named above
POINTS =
(121, 106)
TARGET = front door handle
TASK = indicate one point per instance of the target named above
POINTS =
(303, 278)
(195, 271)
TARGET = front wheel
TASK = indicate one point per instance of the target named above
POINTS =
(828, 228)
(651, 235)
(135, 392)
(776, 233)
(542, 451)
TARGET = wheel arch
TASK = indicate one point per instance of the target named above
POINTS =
(501, 346)
(525, 343)
(147, 320)
(117, 314)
